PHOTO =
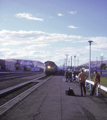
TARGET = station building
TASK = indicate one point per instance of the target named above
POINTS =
(2, 64)
(10, 66)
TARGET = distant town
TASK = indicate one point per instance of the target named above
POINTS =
(30, 65)
(95, 65)
(20, 65)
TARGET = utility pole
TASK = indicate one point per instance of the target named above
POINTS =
(64, 63)
(96, 63)
(90, 62)
(71, 61)
(101, 62)
(66, 60)
(78, 62)
(90, 58)
(74, 62)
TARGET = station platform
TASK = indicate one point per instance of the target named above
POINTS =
(49, 102)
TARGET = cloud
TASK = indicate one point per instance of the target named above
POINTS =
(59, 14)
(71, 51)
(12, 43)
(73, 12)
(34, 45)
(99, 47)
(50, 16)
(98, 44)
(44, 39)
(27, 16)
(99, 40)
(33, 37)
(38, 45)
(73, 27)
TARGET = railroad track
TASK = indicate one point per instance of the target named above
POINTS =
(12, 95)
(9, 76)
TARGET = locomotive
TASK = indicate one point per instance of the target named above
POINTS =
(50, 68)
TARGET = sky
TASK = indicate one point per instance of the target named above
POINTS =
(44, 30)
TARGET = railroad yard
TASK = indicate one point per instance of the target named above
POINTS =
(13, 84)
(11, 79)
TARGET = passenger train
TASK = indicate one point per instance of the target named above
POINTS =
(50, 68)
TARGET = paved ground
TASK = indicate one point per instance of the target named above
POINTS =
(49, 102)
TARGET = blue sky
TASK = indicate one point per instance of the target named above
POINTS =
(49, 29)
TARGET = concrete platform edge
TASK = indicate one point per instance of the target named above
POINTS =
(9, 105)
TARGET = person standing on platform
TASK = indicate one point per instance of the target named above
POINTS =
(82, 78)
(96, 82)
(70, 76)
(74, 75)
(67, 75)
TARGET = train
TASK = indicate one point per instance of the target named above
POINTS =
(50, 68)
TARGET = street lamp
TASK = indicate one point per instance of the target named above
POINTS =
(74, 62)
(90, 58)
(101, 63)
(71, 62)
(96, 63)
(66, 60)
(78, 62)
(68, 64)
(64, 64)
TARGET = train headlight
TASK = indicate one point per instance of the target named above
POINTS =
(48, 67)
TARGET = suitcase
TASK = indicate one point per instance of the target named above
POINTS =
(70, 92)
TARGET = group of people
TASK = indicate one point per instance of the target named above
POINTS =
(70, 75)
(82, 78)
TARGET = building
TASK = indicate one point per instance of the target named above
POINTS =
(10, 66)
(37, 69)
(2, 64)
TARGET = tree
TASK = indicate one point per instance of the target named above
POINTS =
(103, 66)
(17, 65)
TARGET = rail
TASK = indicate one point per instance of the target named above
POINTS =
(92, 83)
(98, 87)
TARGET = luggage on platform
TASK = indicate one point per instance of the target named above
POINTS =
(70, 92)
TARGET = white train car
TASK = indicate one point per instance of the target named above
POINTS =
(36, 69)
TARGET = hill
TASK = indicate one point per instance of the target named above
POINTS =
(27, 62)
(94, 63)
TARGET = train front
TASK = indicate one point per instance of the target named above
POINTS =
(50, 68)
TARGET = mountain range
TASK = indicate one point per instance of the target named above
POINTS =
(27, 62)
(95, 63)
